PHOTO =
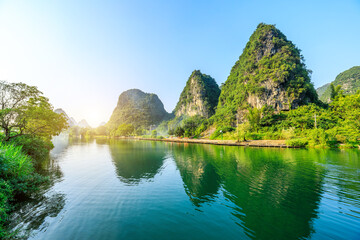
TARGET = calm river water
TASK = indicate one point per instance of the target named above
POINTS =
(128, 189)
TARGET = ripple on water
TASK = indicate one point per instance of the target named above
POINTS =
(120, 189)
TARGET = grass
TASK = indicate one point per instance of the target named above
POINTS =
(17, 177)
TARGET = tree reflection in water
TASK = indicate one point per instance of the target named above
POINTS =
(275, 192)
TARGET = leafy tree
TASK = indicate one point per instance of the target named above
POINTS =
(242, 130)
(191, 124)
(101, 130)
(140, 132)
(179, 131)
(334, 91)
(24, 111)
(153, 133)
(124, 130)
(347, 110)
(75, 131)
(254, 116)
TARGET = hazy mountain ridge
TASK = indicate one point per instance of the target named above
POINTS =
(83, 124)
(349, 81)
(71, 121)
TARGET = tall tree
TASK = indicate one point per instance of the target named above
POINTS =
(24, 111)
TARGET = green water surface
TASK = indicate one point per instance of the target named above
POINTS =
(128, 189)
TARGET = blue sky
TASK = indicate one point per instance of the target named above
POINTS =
(83, 54)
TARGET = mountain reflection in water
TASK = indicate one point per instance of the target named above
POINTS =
(127, 189)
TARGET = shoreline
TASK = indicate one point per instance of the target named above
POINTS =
(250, 143)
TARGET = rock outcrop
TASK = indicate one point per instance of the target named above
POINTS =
(269, 72)
(199, 97)
(137, 108)
(349, 81)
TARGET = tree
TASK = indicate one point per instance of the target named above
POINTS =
(124, 130)
(179, 132)
(335, 91)
(153, 133)
(101, 130)
(24, 111)
(74, 131)
(40, 119)
(347, 111)
(254, 117)
(191, 124)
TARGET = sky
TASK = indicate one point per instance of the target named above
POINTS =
(83, 54)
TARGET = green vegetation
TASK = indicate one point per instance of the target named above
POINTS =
(270, 64)
(267, 96)
(308, 125)
(200, 87)
(349, 81)
(137, 108)
(27, 118)
(188, 127)
(17, 177)
(24, 111)
(28, 123)
(123, 130)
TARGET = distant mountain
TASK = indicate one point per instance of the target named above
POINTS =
(83, 124)
(269, 72)
(138, 108)
(74, 121)
(102, 124)
(70, 121)
(321, 90)
(199, 97)
(349, 81)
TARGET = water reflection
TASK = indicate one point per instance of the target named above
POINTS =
(30, 214)
(229, 192)
(275, 192)
(137, 160)
(343, 176)
(201, 182)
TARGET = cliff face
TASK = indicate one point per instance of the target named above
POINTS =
(349, 81)
(137, 108)
(199, 97)
(270, 71)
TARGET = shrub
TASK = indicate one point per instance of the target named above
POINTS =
(179, 132)
(224, 130)
(287, 133)
(297, 142)
(254, 136)
(317, 137)
(36, 147)
(153, 133)
(17, 177)
(272, 135)
(5, 195)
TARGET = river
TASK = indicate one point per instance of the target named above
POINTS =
(128, 189)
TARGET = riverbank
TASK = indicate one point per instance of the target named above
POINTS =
(250, 143)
